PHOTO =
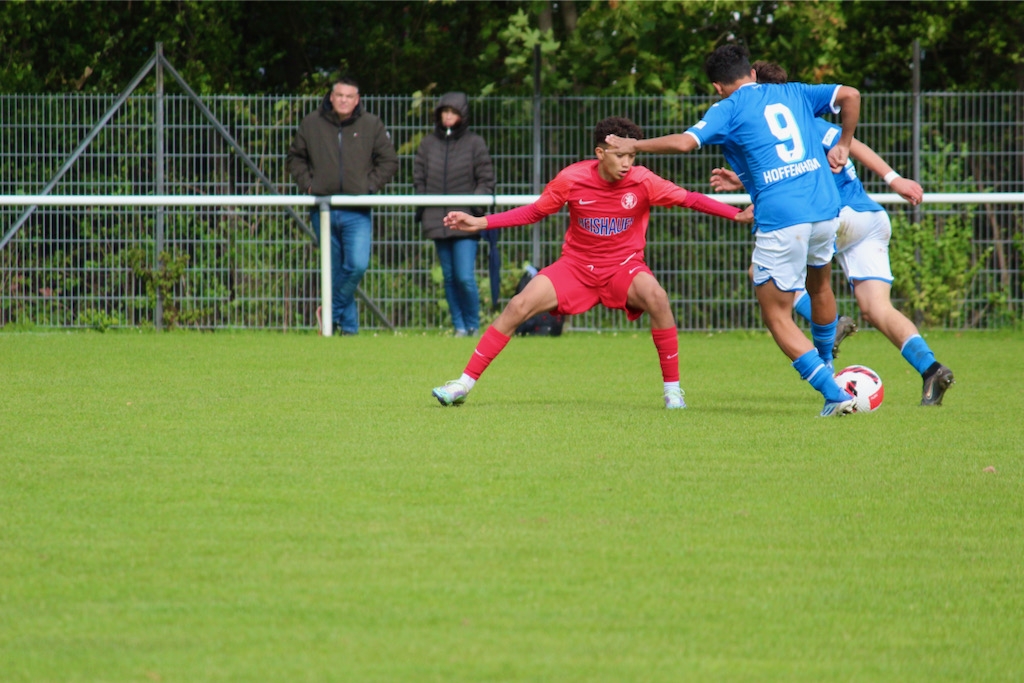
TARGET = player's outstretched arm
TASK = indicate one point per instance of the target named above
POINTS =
(904, 187)
(677, 143)
(848, 100)
(746, 215)
(460, 220)
(724, 180)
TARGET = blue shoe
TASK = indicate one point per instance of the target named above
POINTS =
(451, 394)
(839, 408)
(674, 399)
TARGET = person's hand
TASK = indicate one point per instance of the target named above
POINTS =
(460, 220)
(837, 157)
(746, 215)
(623, 145)
(724, 180)
(908, 189)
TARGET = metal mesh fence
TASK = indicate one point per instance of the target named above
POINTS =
(257, 267)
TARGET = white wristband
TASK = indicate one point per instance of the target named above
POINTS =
(891, 176)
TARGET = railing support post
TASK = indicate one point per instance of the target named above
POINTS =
(326, 287)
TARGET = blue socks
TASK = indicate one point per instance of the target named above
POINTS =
(818, 375)
(824, 337)
(917, 353)
(803, 306)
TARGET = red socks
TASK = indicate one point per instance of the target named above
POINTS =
(491, 344)
(667, 343)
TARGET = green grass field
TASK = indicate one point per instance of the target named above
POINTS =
(269, 507)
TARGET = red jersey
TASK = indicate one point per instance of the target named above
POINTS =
(607, 221)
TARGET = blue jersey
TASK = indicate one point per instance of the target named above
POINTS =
(851, 190)
(772, 129)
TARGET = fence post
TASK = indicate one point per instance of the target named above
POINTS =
(537, 149)
(158, 240)
(326, 287)
(915, 137)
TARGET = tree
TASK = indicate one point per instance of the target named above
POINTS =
(589, 46)
(966, 47)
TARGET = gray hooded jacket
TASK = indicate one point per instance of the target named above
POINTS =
(451, 161)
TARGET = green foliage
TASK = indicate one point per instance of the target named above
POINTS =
(933, 265)
(933, 261)
(162, 282)
(98, 320)
(591, 47)
(968, 46)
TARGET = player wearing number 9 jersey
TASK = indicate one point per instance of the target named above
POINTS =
(765, 126)
(768, 132)
(862, 249)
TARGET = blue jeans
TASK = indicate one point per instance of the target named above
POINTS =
(350, 257)
(458, 263)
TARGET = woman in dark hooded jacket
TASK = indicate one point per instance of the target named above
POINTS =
(454, 160)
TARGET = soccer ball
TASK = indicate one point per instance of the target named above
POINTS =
(864, 385)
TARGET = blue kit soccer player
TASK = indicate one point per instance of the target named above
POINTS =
(862, 249)
(768, 132)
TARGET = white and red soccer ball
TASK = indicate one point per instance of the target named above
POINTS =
(864, 385)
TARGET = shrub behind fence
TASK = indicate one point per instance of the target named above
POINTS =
(255, 267)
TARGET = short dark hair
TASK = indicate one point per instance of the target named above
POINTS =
(616, 125)
(727, 64)
(770, 72)
(345, 80)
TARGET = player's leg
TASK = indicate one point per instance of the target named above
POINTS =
(777, 315)
(857, 229)
(823, 310)
(820, 249)
(801, 300)
(539, 295)
(873, 297)
(780, 267)
(646, 294)
(845, 325)
(802, 304)
(866, 263)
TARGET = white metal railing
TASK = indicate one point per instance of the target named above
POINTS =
(325, 203)
(421, 200)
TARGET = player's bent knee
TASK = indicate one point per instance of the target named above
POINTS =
(653, 300)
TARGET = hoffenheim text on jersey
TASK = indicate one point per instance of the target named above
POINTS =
(774, 174)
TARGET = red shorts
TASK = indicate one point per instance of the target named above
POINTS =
(580, 287)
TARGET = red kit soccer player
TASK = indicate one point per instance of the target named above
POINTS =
(602, 259)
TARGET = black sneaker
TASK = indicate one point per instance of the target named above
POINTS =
(935, 386)
(844, 328)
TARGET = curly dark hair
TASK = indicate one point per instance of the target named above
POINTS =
(616, 125)
(769, 72)
(727, 64)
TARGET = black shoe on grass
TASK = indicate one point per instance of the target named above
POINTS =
(935, 385)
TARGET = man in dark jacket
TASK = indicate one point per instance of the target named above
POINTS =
(454, 160)
(341, 149)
